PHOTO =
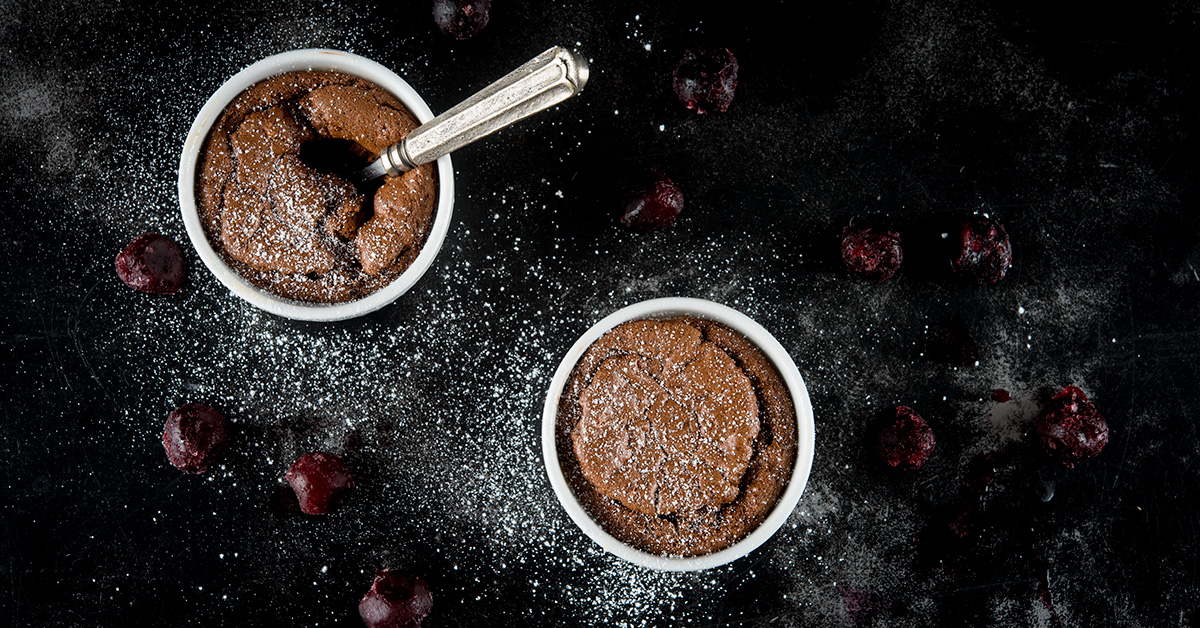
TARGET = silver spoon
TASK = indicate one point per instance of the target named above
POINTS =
(542, 82)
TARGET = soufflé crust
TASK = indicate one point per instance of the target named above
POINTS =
(287, 220)
(677, 435)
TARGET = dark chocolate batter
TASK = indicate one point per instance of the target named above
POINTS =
(676, 435)
(293, 226)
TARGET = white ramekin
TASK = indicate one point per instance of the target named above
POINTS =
(300, 60)
(805, 435)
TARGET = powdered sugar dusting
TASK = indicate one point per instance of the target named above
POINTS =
(436, 400)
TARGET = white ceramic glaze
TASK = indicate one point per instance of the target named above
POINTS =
(805, 435)
(301, 60)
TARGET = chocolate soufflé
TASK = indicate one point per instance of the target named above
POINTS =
(676, 435)
(275, 200)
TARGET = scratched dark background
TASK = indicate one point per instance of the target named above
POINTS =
(1076, 127)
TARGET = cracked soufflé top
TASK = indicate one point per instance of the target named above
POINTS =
(275, 201)
(676, 435)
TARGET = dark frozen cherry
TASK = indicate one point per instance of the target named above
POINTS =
(656, 202)
(1000, 395)
(871, 254)
(320, 480)
(152, 263)
(395, 600)
(904, 440)
(1070, 428)
(193, 433)
(706, 79)
(461, 19)
(986, 252)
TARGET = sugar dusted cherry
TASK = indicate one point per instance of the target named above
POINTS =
(320, 480)
(985, 254)
(461, 19)
(904, 440)
(396, 600)
(871, 254)
(193, 434)
(1070, 428)
(705, 79)
(655, 202)
(152, 263)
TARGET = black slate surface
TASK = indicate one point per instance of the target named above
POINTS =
(1075, 127)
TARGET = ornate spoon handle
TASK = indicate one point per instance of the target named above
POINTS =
(542, 82)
